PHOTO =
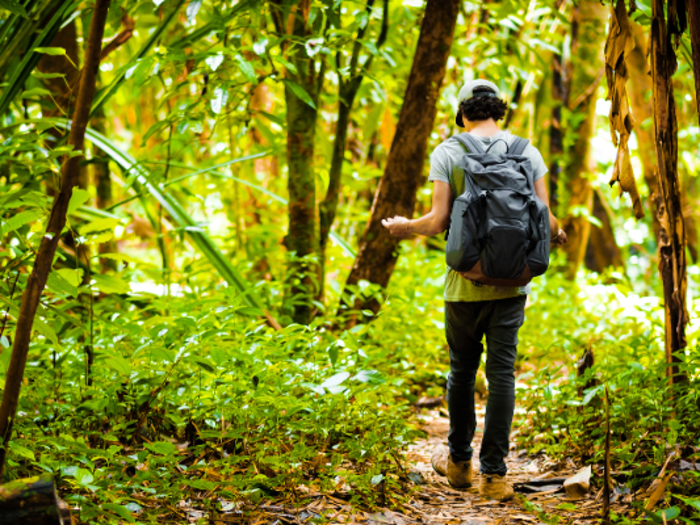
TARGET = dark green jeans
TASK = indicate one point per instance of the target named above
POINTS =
(465, 326)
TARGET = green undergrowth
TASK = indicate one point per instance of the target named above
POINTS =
(195, 403)
(563, 404)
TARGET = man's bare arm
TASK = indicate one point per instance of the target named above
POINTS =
(433, 223)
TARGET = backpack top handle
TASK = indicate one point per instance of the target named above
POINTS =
(496, 142)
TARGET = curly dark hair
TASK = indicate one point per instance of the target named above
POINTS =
(483, 107)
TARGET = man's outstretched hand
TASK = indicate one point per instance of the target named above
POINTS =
(397, 226)
(559, 238)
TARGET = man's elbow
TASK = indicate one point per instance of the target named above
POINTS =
(440, 225)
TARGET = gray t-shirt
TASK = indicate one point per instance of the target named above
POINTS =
(444, 167)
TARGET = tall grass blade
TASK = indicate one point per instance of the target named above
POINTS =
(16, 82)
(142, 184)
(213, 170)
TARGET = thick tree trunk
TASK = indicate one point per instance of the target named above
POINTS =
(57, 220)
(396, 193)
(303, 238)
(586, 67)
(640, 101)
(603, 251)
(32, 501)
(671, 240)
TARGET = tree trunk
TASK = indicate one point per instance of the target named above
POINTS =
(57, 220)
(586, 67)
(396, 193)
(640, 101)
(671, 240)
(32, 501)
(303, 237)
(347, 90)
(603, 251)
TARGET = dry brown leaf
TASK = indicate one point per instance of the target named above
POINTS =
(657, 490)
(622, 173)
(619, 44)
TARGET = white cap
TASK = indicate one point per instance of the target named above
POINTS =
(467, 92)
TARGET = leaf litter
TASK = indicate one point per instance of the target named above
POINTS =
(539, 482)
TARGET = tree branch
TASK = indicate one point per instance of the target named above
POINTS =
(120, 39)
(57, 220)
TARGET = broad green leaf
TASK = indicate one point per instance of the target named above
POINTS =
(119, 510)
(247, 69)
(53, 51)
(21, 219)
(250, 310)
(333, 352)
(287, 64)
(78, 198)
(84, 476)
(299, 91)
(22, 452)
(164, 448)
(119, 364)
(46, 76)
(70, 275)
(99, 225)
(204, 364)
(110, 284)
(58, 284)
(36, 92)
(44, 329)
(202, 484)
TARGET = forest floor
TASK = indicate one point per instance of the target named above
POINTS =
(436, 503)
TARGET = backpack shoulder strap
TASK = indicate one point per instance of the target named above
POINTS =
(518, 146)
(470, 143)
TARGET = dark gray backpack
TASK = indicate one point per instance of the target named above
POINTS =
(499, 229)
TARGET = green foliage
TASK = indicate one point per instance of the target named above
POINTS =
(190, 396)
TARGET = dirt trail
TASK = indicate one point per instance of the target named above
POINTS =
(439, 504)
(436, 503)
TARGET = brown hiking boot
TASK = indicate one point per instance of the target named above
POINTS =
(496, 487)
(459, 475)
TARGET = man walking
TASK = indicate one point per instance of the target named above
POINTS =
(472, 309)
